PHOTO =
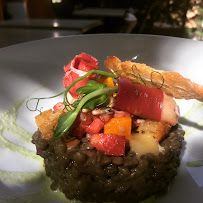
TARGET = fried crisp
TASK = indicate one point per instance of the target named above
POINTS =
(157, 129)
(46, 121)
(172, 83)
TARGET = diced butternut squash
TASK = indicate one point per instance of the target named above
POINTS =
(109, 82)
(119, 126)
(106, 80)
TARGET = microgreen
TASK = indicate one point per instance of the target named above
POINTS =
(65, 92)
(66, 121)
(66, 102)
(93, 95)
(91, 86)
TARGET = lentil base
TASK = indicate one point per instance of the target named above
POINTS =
(83, 173)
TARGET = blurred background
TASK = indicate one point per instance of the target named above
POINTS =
(25, 20)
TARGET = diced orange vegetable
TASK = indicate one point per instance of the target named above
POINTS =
(119, 126)
(109, 82)
(106, 80)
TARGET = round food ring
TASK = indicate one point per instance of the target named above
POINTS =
(83, 173)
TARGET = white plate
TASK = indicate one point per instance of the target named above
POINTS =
(36, 69)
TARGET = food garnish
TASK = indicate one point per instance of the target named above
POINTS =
(115, 132)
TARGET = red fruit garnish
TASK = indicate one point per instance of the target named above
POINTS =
(59, 105)
(109, 144)
(81, 124)
(95, 126)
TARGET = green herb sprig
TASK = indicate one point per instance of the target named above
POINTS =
(66, 121)
(94, 94)
(65, 101)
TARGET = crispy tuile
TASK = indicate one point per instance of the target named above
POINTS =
(173, 85)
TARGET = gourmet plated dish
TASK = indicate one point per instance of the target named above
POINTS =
(115, 136)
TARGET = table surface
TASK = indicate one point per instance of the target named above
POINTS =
(100, 12)
(67, 24)
(11, 36)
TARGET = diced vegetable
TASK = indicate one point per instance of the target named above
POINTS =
(109, 82)
(59, 105)
(81, 123)
(119, 126)
(95, 126)
(106, 80)
(109, 144)
(65, 122)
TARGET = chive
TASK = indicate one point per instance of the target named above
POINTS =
(38, 99)
(161, 76)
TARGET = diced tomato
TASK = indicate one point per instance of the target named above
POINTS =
(95, 126)
(109, 144)
(79, 131)
(59, 105)
(81, 124)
